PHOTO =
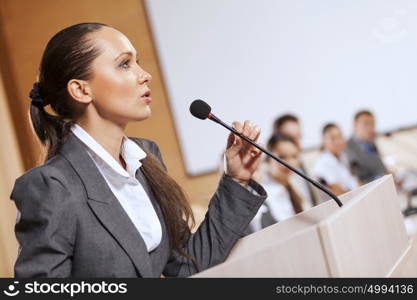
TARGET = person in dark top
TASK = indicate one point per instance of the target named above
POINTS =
(364, 158)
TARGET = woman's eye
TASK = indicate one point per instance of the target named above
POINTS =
(125, 64)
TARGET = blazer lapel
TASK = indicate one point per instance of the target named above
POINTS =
(106, 206)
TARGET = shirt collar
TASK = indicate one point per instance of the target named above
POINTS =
(130, 151)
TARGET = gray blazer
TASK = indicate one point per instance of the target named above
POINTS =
(71, 225)
(367, 167)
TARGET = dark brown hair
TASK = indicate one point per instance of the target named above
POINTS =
(362, 113)
(281, 120)
(327, 127)
(68, 55)
(278, 138)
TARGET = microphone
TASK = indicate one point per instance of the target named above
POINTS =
(202, 110)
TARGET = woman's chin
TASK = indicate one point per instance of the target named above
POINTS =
(144, 115)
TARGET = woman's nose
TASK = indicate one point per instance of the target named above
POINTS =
(144, 76)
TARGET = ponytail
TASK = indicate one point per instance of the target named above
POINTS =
(51, 130)
(67, 55)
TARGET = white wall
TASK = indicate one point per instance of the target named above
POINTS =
(322, 60)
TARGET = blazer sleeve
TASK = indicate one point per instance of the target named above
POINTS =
(229, 213)
(45, 227)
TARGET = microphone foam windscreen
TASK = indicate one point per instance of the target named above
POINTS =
(200, 109)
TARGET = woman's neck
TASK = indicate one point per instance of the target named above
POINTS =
(337, 155)
(107, 134)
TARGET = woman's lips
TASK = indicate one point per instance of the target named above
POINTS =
(146, 96)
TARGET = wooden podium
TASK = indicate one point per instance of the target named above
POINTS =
(364, 238)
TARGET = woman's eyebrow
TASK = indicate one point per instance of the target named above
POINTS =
(130, 53)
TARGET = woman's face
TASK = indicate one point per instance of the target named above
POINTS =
(288, 152)
(293, 130)
(333, 141)
(118, 84)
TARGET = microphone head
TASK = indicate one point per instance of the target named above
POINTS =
(200, 109)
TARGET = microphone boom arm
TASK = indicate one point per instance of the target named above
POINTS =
(299, 173)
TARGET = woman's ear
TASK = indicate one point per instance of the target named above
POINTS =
(80, 91)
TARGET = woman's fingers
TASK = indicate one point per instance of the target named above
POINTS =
(234, 143)
(248, 130)
(238, 126)
(232, 138)
(257, 133)
(252, 132)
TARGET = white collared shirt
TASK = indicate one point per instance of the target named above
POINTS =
(124, 185)
(335, 170)
(278, 203)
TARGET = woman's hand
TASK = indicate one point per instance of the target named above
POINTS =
(242, 159)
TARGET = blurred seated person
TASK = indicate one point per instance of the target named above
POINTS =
(332, 165)
(283, 201)
(290, 126)
(362, 152)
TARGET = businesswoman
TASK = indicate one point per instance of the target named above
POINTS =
(102, 204)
